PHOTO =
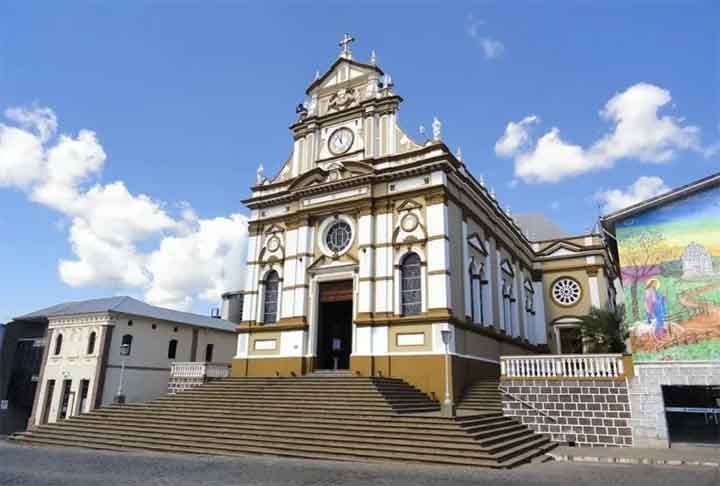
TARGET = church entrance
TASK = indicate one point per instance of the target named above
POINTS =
(334, 339)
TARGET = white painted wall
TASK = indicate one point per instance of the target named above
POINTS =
(146, 368)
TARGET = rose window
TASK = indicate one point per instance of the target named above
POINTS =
(338, 236)
(566, 291)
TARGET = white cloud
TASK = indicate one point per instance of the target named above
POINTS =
(638, 132)
(643, 188)
(491, 48)
(207, 258)
(516, 137)
(193, 258)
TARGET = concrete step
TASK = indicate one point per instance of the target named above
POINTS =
(458, 434)
(351, 409)
(242, 451)
(377, 421)
(325, 415)
(338, 438)
(258, 440)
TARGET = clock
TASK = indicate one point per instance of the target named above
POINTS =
(340, 141)
(273, 243)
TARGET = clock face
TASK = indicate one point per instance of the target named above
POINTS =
(340, 141)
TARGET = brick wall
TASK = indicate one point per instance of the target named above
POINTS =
(586, 412)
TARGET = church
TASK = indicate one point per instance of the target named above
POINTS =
(381, 255)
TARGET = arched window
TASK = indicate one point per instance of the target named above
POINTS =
(410, 285)
(270, 306)
(209, 353)
(91, 343)
(172, 349)
(126, 345)
(58, 344)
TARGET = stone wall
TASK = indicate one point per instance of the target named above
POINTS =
(646, 399)
(586, 412)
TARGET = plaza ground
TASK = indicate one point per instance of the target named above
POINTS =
(25, 466)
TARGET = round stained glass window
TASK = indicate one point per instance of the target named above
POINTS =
(566, 291)
(338, 236)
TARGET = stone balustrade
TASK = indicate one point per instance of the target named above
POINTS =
(566, 366)
(184, 375)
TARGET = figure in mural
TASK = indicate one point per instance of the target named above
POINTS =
(655, 307)
(650, 299)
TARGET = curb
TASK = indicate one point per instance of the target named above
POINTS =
(633, 460)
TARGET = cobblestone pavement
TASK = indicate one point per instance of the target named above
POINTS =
(25, 466)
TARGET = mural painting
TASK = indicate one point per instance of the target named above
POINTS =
(670, 263)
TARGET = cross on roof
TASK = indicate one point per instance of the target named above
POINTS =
(345, 44)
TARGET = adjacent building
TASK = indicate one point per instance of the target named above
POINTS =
(667, 247)
(368, 250)
(99, 350)
(21, 350)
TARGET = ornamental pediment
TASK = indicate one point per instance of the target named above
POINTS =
(560, 248)
(331, 172)
(342, 71)
(326, 263)
(476, 242)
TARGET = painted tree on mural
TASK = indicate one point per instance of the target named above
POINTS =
(642, 253)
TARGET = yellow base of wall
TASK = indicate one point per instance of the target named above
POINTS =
(264, 367)
(425, 372)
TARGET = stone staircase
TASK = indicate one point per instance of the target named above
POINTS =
(482, 396)
(318, 416)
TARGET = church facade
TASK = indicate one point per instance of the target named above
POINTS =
(378, 254)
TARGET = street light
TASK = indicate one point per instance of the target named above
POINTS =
(448, 408)
(124, 351)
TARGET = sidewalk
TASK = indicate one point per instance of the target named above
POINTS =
(677, 456)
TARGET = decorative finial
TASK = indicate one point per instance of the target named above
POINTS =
(260, 174)
(492, 192)
(437, 128)
(345, 44)
(482, 180)
(317, 75)
(387, 81)
(421, 130)
(458, 154)
(507, 211)
(373, 57)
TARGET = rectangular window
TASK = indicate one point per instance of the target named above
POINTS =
(49, 392)
(84, 387)
(65, 400)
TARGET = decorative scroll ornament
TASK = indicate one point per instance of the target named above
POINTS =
(343, 99)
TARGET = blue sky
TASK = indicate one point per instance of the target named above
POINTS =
(186, 98)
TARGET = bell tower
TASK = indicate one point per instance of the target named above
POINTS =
(350, 114)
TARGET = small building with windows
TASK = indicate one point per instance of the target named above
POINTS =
(97, 350)
(367, 247)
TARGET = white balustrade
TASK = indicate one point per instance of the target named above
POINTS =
(563, 366)
(199, 370)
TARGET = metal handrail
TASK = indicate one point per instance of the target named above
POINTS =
(526, 403)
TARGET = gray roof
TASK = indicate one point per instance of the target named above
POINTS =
(538, 227)
(130, 306)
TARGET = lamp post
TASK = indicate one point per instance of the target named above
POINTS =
(119, 396)
(448, 408)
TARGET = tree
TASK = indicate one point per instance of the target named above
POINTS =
(641, 253)
(603, 331)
